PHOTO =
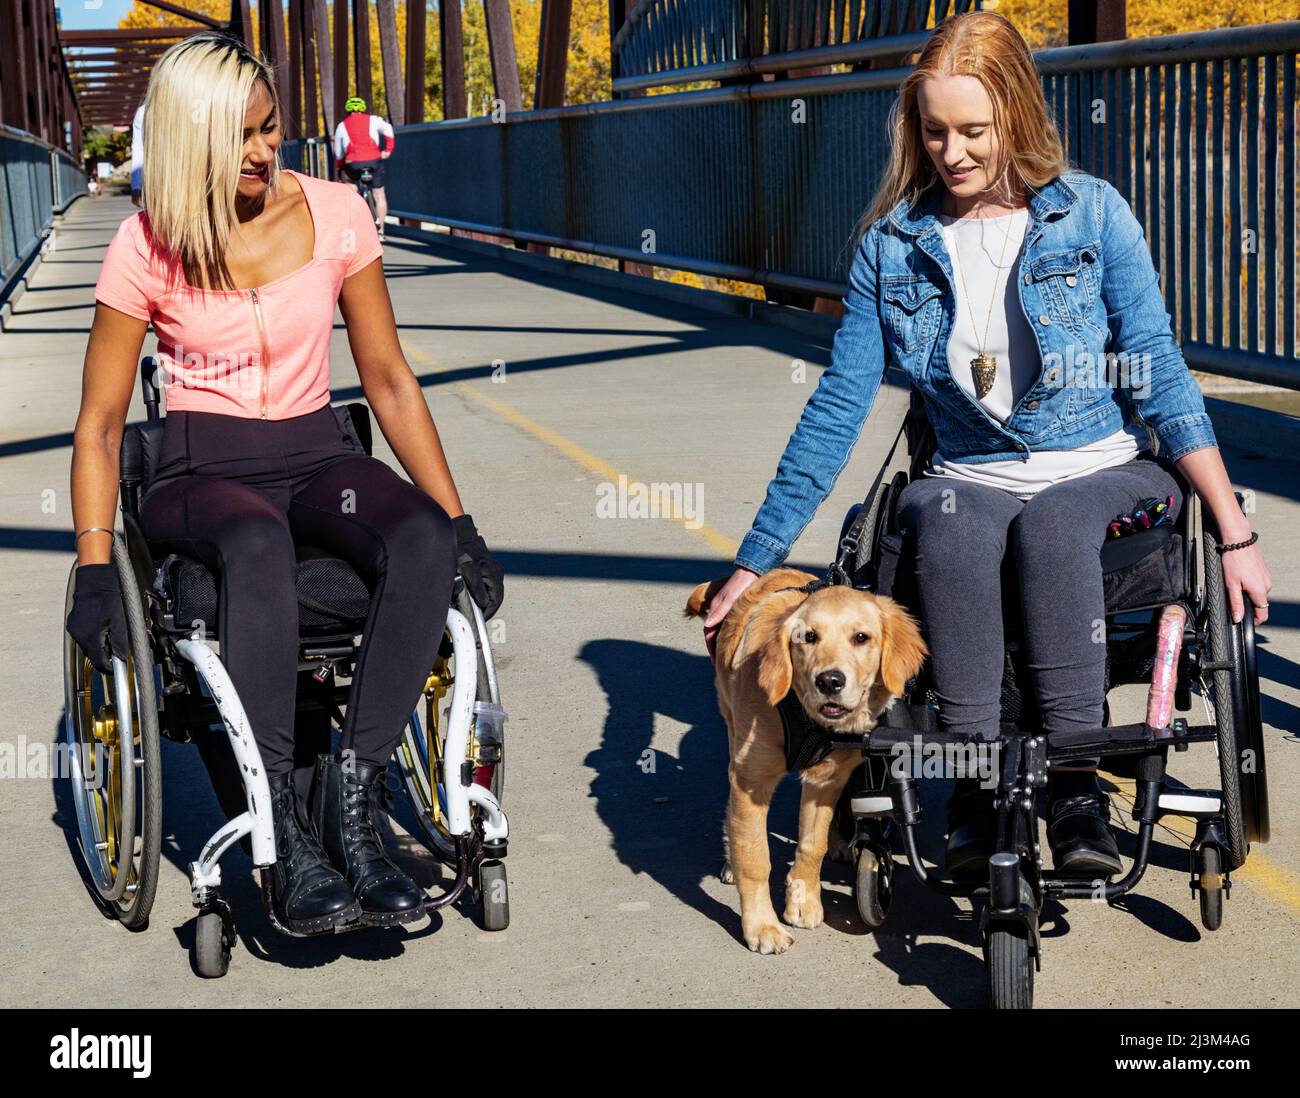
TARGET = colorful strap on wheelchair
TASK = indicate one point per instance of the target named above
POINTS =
(1150, 512)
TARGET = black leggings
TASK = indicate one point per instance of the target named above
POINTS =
(238, 494)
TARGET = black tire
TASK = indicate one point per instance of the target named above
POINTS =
(494, 895)
(135, 916)
(1210, 891)
(873, 890)
(1235, 693)
(1010, 968)
(211, 949)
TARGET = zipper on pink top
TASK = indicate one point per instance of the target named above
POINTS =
(266, 356)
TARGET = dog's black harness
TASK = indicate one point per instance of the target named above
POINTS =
(806, 741)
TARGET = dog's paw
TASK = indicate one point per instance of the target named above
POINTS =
(768, 938)
(838, 848)
(803, 906)
(726, 875)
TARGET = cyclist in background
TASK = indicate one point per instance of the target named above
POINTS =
(364, 140)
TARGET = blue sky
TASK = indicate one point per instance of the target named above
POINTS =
(92, 14)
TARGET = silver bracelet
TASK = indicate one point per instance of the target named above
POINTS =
(92, 529)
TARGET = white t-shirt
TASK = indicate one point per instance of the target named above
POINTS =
(985, 254)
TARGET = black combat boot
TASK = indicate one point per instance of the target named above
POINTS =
(308, 895)
(344, 812)
(972, 829)
(1078, 826)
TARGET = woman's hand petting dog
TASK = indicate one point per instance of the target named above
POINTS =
(721, 600)
(847, 655)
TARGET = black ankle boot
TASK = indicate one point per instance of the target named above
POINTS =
(1078, 826)
(308, 895)
(344, 813)
(972, 829)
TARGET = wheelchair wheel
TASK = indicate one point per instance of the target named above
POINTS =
(873, 890)
(115, 773)
(1010, 967)
(420, 753)
(212, 944)
(1210, 886)
(494, 893)
(1234, 691)
(872, 521)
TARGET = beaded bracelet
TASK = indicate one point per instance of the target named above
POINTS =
(1254, 537)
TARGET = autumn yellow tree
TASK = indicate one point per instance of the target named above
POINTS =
(142, 15)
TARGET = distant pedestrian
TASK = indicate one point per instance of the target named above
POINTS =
(137, 157)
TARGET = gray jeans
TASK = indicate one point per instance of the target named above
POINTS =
(1052, 543)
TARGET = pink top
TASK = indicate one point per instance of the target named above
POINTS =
(258, 354)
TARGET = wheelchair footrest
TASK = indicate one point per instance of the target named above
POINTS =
(1123, 739)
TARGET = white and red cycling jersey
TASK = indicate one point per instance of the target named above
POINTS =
(358, 135)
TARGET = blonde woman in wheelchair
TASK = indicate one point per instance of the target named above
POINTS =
(238, 265)
(985, 267)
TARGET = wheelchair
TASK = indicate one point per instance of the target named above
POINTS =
(449, 763)
(1167, 626)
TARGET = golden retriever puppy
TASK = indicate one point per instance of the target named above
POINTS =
(847, 654)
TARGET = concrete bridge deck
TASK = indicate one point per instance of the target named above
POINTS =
(617, 776)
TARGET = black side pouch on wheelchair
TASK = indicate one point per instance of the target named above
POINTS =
(1143, 571)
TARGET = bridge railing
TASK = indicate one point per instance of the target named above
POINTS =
(764, 182)
(69, 179)
(35, 184)
(311, 156)
(671, 42)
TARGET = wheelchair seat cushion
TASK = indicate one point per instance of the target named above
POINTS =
(330, 593)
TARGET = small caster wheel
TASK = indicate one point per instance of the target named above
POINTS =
(873, 886)
(1011, 968)
(1209, 886)
(211, 945)
(494, 894)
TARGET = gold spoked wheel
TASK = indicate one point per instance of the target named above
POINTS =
(420, 754)
(112, 761)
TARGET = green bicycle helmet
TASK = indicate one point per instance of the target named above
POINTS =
(355, 103)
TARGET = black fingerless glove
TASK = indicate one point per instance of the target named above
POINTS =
(97, 621)
(482, 574)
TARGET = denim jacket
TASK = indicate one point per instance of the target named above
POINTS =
(1089, 291)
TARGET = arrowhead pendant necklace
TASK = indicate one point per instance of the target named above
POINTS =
(984, 366)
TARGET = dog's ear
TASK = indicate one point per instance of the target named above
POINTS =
(902, 651)
(775, 670)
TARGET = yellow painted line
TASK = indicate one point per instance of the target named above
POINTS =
(716, 539)
(1282, 885)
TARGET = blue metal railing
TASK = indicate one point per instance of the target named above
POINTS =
(764, 182)
(69, 179)
(36, 182)
(311, 156)
(684, 41)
